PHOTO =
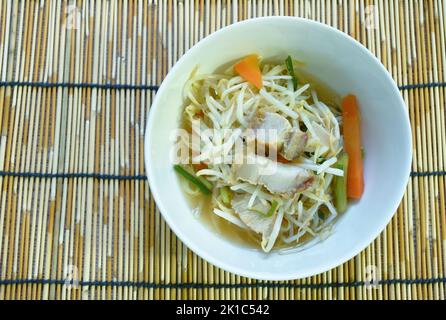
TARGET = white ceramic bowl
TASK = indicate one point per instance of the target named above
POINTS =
(347, 67)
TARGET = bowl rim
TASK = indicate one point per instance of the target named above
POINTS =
(295, 274)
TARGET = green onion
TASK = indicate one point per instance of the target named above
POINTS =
(340, 183)
(194, 179)
(226, 195)
(259, 212)
(271, 210)
(206, 183)
(290, 68)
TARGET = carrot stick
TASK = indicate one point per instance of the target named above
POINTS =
(352, 145)
(249, 69)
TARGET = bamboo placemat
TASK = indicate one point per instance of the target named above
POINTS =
(77, 220)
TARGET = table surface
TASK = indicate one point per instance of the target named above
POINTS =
(77, 220)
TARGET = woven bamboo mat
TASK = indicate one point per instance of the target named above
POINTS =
(77, 220)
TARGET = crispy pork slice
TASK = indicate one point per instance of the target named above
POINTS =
(294, 145)
(266, 123)
(277, 177)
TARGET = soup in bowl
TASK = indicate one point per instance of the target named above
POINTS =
(270, 148)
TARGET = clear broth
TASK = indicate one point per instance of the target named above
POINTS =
(223, 227)
(244, 237)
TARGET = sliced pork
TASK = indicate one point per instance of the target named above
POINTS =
(277, 177)
(265, 122)
(251, 216)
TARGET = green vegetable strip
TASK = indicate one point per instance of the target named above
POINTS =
(258, 211)
(200, 178)
(225, 195)
(340, 184)
(206, 183)
(290, 68)
(271, 210)
(192, 178)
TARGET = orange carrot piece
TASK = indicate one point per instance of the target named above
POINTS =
(252, 59)
(352, 145)
(249, 69)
